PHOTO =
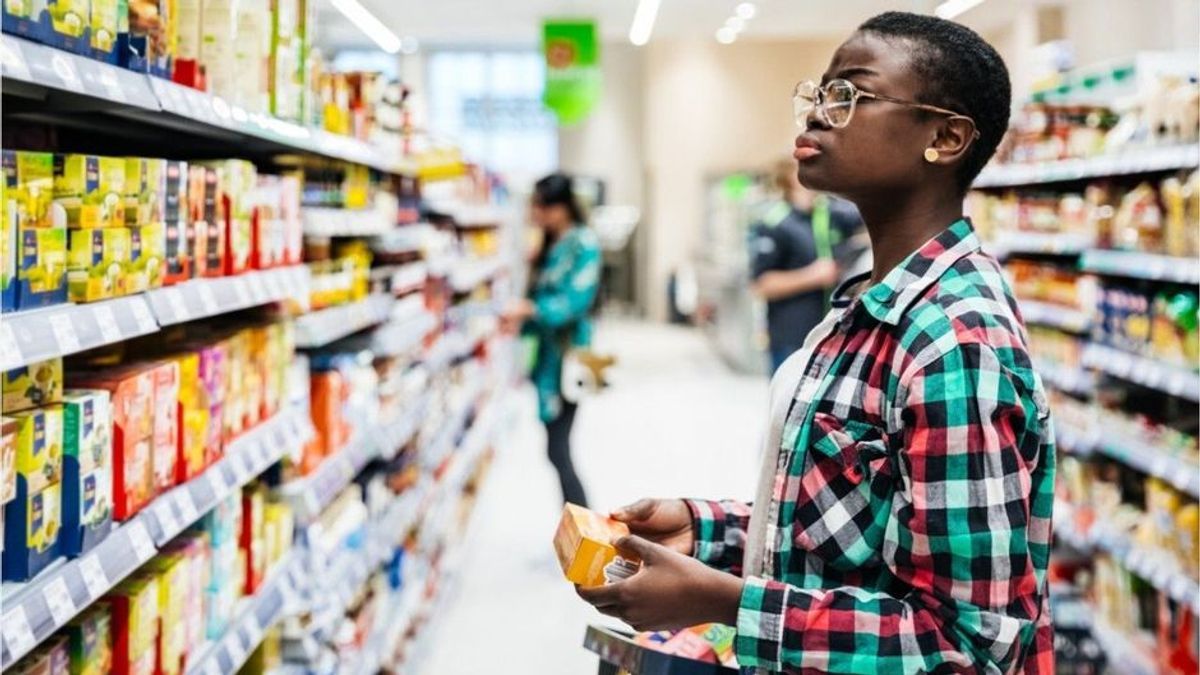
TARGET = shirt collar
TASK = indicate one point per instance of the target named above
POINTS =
(888, 299)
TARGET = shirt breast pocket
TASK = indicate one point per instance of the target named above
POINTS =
(844, 500)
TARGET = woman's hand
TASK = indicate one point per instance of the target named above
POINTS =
(662, 521)
(670, 592)
(516, 313)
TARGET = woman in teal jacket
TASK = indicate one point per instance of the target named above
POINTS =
(557, 313)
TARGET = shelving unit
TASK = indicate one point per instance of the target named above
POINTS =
(1168, 378)
(204, 298)
(322, 327)
(1136, 265)
(33, 611)
(1144, 160)
(1055, 316)
(185, 115)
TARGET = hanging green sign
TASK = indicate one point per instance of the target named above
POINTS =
(572, 69)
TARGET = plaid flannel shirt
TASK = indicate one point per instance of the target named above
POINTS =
(909, 526)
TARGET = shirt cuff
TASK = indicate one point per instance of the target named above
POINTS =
(708, 528)
(760, 624)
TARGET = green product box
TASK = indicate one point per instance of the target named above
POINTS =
(99, 261)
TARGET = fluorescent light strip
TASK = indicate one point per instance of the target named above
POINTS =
(643, 22)
(952, 8)
(369, 24)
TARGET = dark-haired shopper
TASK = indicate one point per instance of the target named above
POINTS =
(557, 313)
(902, 519)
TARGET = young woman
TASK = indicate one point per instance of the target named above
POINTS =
(902, 519)
(565, 278)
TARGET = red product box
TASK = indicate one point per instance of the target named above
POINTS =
(165, 439)
(250, 538)
(197, 229)
(133, 410)
(215, 210)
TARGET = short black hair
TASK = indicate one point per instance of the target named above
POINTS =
(963, 73)
(558, 189)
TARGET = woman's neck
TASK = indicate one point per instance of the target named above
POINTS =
(898, 227)
(556, 230)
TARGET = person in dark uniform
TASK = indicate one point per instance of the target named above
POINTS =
(795, 248)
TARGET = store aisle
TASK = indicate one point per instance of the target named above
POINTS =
(676, 422)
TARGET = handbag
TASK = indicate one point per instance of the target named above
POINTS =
(584, 373)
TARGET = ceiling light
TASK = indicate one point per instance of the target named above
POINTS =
(368, 23)
(726, 35)
(643, 22)
(735, 23)
(952, 8)
(747, 10)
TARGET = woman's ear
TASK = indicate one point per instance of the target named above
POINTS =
(952, 139)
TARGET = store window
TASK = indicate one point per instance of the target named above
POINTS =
(490, 104)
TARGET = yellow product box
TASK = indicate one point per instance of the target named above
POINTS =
(172, 575)
(147, 257)
(90, 190)
(30, 177)
(32, 386)
(278, 528)
(8, 245)
(134, 608)
(99, 262)
(107, 16)
(8, 459)
(584, 544)
(41, 238)
(145, 191)
(68, 22)
(41, 267)
(40, 447)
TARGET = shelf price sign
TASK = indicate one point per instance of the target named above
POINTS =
(572, 69)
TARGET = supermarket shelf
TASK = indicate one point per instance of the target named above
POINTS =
(1055, 316)
(404, 239)
(40, 334)
(466, 311)
(322, 327)
(1150, 460)
(1124, 655)
(398, 337)
(1139, 265)
(33, 611)
(1146, 160)
(1170, 378)
(334, 222)
(449, 348)
(469, 273)
(245, 458)
(443, 444)
(394, 436)
(1154, 566)
(1037, 243)
(1076, 441)
(35, 71)
(203, 298)
(257, 615)
(402, 278)
(1075, 381)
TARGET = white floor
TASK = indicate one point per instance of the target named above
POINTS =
(675, 423)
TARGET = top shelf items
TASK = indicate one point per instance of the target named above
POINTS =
(33, 69)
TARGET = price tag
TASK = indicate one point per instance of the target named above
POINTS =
(94, 578)
(187, 507)
(166, 518)
(217, 481)
(208, 300)
(108, 80)
(139, 538)
(254, 633)
(64, 67)
(212, 667)
(141, 315)
(10, 352)
(107, 321)
(274, 292)
(242, 292)
(175, 300)
(58, 599)
(235, 648)
(17, 634)
(64, 333)
(12, 61)
(243, 468)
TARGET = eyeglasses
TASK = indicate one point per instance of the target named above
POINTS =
(836, 100)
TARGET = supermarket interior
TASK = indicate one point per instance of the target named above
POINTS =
(315, 313)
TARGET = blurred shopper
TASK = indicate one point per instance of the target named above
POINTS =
(902, 519)
(792, 258)
(565, 276)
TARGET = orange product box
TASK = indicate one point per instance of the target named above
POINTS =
(133, 411)
(328, 396)
(165, 448)
(584, 544)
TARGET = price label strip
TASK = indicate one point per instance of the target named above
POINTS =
(208, 300)
(139, 538)
(64, 333)
(107, 321)
(58, 600)
(17, 634)
(94, 578)
(141, 315)
(10, 352)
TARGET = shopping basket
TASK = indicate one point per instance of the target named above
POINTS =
(619, 655)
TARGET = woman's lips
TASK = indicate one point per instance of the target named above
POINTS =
(806, 148)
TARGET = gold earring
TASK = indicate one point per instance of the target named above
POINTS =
(931, 155)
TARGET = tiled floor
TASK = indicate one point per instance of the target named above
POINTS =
(675, 423)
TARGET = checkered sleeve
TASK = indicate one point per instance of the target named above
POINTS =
(966, 547)
(720, 529)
